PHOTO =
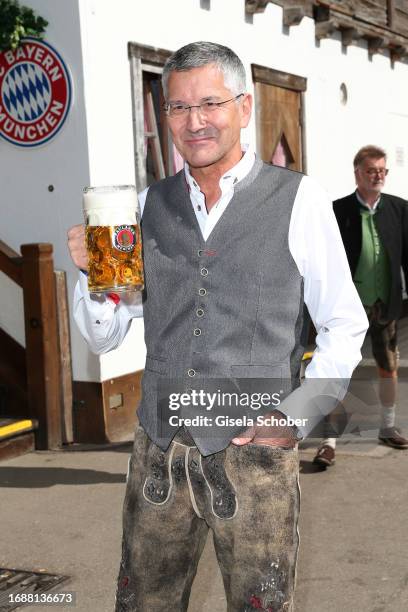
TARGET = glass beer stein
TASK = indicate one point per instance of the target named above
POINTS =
(113, 239)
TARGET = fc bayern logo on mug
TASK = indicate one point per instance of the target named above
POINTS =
(35, 93)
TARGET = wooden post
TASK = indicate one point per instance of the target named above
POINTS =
(65, 356)
(391, 13)
(42, 354)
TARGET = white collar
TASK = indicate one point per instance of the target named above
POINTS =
(363, 203)
(232, 176)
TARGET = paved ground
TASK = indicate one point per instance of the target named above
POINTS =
(61, 512)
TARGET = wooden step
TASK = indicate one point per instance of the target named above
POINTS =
(16, 437)
(14, 447)
(10, 428)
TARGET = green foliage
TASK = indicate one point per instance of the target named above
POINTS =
(16, 22)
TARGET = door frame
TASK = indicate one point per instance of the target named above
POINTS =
(286, 80)
(142, 58)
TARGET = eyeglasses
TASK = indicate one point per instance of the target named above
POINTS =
(375, 171)
(206, 108)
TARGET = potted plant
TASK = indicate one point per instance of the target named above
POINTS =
(17, 22)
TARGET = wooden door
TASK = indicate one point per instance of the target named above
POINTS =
(278, 104)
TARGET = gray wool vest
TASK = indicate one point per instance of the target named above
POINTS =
(228, 307)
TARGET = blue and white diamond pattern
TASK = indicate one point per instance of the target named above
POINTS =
(26, 92)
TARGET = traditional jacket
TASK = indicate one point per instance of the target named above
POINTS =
(392, 225)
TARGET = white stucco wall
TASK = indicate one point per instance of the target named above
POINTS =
(31, 213)
(96, 144)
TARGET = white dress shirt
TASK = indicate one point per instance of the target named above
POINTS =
(317, 249)
(371, 209)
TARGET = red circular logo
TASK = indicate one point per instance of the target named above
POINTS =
(35, 93)
(124, 238)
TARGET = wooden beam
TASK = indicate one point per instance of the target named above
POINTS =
(324, 29)
(255, 6)
(329, 20)
(348, 35)
(390, 13)
(149, 55)
(371, 11)
(293, 15)
(375, 44)
(346, 7)
(42, 354)
(10, 263)
(262, 74)
(306, 6)
(355, 19)
(398, 53)
(8, 251)
(321, 13)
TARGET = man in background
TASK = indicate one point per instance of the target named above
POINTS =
(374, 229)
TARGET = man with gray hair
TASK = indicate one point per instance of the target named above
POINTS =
(233, 249)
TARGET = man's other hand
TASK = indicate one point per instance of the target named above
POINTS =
(270, 435)
(77, 247)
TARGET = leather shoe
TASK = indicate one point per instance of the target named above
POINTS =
(325, 456)
(392, 437)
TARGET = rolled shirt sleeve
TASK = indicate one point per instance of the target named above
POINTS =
(101, 321)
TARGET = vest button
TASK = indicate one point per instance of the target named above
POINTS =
(197, 332)
(203, 271)
(202, 291)
(199, 312)
(191, 372)
(200, 252)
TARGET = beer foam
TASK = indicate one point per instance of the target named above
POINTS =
(110, 206)
(103, 216)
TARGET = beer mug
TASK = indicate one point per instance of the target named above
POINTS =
(113, 239)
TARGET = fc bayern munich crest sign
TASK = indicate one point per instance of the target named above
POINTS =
(35, 93)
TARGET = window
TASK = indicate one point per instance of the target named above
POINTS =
(155, 155)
